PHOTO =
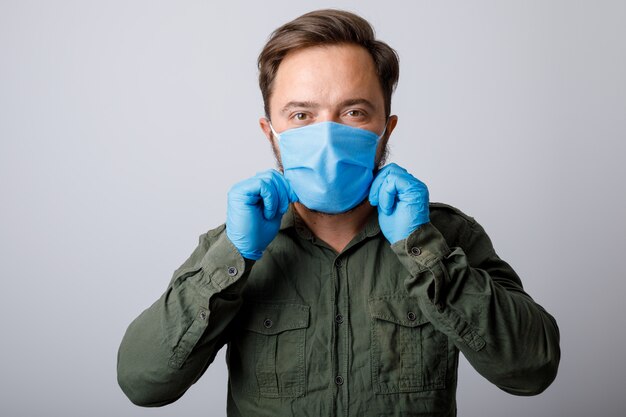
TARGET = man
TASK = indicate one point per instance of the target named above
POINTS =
(338, 288)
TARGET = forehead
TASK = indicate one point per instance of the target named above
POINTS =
(326, 75)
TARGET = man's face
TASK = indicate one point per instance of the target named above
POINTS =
(328, 83)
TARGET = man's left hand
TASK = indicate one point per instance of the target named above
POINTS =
(402, 202)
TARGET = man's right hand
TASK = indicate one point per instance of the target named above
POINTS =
(255, 208)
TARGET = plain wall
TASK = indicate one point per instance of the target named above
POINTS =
(124, 123)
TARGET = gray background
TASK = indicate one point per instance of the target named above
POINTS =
(124, 123)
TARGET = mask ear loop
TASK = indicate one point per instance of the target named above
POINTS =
(384, 130)
(276, 135)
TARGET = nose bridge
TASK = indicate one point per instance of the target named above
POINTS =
(328, 114)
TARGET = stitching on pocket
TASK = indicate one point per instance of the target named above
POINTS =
(264, 378)
(405, 356)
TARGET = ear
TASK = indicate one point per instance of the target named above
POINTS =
(265, 127)
(391, 124)
(267, 131)
(383, 151)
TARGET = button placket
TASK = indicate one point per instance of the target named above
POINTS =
(341, 326)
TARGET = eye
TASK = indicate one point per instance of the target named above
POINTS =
(300, 117)
(355, 114)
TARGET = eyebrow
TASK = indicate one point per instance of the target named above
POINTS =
(355, 101)
(299, 105)
(313, 105)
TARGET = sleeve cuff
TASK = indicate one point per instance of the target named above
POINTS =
(223, 263)
(422, 249)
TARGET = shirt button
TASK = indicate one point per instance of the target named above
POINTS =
(232, 271)
(411, 316)
(339, 380)
(338, 263)
(339, 318)
(415, 251)
(267, 323)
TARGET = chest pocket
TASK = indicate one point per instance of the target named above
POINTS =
(267, 357)
(408, 353)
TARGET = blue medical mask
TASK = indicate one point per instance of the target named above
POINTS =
(330, 166)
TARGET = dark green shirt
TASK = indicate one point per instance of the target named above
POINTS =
(375, 330)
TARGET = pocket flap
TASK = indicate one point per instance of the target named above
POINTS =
(275, 318)
(402, 310)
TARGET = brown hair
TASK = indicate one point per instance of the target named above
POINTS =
(327, 27)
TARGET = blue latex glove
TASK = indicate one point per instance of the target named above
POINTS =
(255, 208)
(402, 202)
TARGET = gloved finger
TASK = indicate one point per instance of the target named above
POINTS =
(273, 185)
(376, 184)
(404, 183)
(286, 194)
(293, 197)
(411, 190)
(388, 194)
(270, 196)
(245, 192)
(380, 178)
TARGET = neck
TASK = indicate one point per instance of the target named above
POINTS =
(337, 230)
